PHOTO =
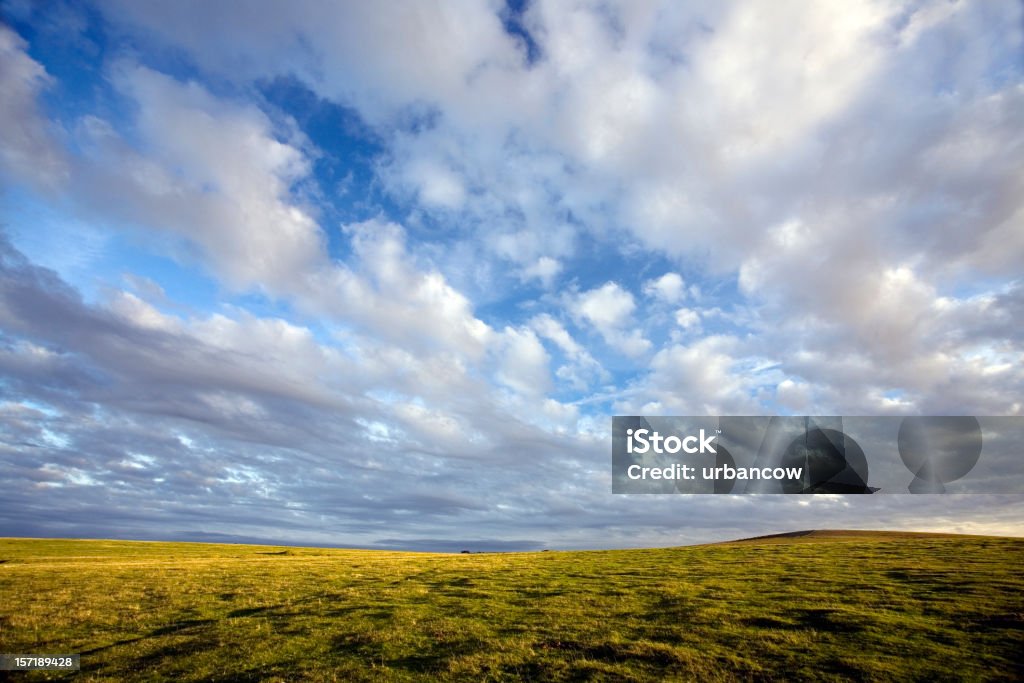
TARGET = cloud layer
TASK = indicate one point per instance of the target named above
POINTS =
(380, 274)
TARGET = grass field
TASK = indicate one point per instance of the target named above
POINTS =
(824, 605)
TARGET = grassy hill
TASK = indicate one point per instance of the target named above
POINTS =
(810, 605)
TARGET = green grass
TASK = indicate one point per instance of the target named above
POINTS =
(829, 606)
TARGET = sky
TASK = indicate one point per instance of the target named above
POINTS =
(380, 274)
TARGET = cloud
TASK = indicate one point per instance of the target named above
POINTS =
(437, 186)
(873, 327)
(214, 173)
(669, 288)
(687, 318)
(758, 117)
(609, 309)
(581, 368)
(248, 427)
(761, 112)
(706, 377)
(382, 57)
(29, 150)
(251, 410)
(210, 171)
(795, 396)
(524, 365)
(545, 269)
(387, 293)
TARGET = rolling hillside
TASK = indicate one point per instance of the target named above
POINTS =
(806, 605)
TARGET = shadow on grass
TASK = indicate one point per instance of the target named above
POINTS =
(768, 623)
(378, 616)
(429, 658)
(173, 651)
(828, 620)
(1008, 621)
(284, 671)
(255, 611)
(182, 627)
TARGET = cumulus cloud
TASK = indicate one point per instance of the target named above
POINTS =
(389, 294)
(207, 170)
(581, 369)
(437, 186)
(735, 88)
(687, 318)
(545, 269)
(706, 377)
(524, 365)
(669, 288)
(609, 309)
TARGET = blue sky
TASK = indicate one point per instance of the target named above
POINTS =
(379, 274)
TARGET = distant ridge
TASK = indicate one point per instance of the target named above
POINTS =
(811, 535)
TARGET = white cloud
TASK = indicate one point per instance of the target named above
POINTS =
(545, 269)
(609, 308)
(138, 312)
(549, 328)
(383, 57)
(687, 318)
(437, 185)
(776, 74)
(207, 170)
(706, 377)
(524, 363)
(581, 369)
(388, 294)
(669, 288)
(534, 251)
(794, 396)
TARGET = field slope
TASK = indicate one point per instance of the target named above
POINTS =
(813, 605)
